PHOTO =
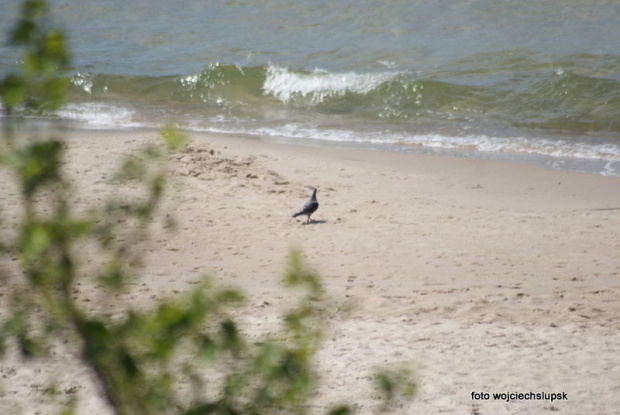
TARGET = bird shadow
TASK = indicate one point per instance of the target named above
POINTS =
(314, 222)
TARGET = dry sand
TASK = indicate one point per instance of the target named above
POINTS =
(486, 277)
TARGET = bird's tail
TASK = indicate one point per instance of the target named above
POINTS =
(297, 214)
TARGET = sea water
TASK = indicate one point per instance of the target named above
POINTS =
(528, 81)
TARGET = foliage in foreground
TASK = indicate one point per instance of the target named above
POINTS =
(185, 356)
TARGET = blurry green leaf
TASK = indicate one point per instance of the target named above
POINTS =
(29, 346)
(294, 321)
(40, 85)
(229, 297)
(132, 169)
(39, 164)
(113, 275)
(396, 383)
(341, 410)
(31, 68)
(157, 185)
(26, 28)
(128, 363)
(54, 49)
(69, 410)
(99, 338)
(230, 336)
(208, 347)
(385, 382)
(23, 33)
(293, 365)
(13, 91)
(297, 275)
(151, 154)
(34, 240)
(267, 357)
(174, 138)
(207, 409)
(33, 8)
(54, 91)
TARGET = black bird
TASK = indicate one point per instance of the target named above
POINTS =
(310, 207)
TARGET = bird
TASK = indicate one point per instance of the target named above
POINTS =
(310, 207)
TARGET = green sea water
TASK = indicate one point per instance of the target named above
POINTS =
(532, 81)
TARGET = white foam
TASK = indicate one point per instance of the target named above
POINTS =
(98, 115)
(559, 149)
(318, 85)
(83, 80)
(605, 155)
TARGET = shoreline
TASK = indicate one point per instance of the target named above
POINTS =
(488, 276)
(546, 160)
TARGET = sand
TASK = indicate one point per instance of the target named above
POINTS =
(485, 277)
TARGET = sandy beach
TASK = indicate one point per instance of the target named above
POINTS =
(485, 277)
